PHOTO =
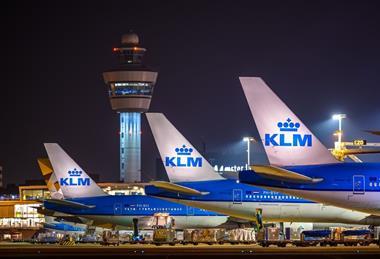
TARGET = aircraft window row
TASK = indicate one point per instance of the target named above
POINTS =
(375, 184)
(251, 192)
(142, 205)
(275, 197)
(154, 209)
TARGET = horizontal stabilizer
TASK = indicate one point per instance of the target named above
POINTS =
(277, 173)
(44, 211)
(172, 187)
(72, 219)
(374, 132)
(71, 204)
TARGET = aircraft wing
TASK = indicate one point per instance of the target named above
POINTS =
(277, 173)
(71, 204)
(172, 187)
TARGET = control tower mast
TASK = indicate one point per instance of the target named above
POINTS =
(130, 88)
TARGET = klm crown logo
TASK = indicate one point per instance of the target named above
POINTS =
(288, 136)
(75, 173)
(288, 125)
(183, 151)
(183, 158)
(74, 179)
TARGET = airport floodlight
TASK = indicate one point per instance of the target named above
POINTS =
(339, 116)
(339, 132)
(249, 140)
(246, 139)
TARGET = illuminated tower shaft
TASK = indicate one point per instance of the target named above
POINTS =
(130, 145)
(130, 88)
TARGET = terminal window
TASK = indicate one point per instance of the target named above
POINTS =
(34, 194)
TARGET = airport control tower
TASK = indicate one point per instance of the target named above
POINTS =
(130, 88)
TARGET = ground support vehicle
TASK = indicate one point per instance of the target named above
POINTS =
(110, 238)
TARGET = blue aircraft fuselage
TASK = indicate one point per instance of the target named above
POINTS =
(347, 185)
(226, 190)
(335, 177)
(127, 205)
(242, 201)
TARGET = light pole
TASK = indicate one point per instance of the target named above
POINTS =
(249, 140)
(339, 117)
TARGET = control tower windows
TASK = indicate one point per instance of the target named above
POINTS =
(131, 56)
(131, 88)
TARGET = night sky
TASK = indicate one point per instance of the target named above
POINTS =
(320, 58)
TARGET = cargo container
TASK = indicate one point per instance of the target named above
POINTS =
(292, 233)
(241, 236)
(164, 236)
(208, 236)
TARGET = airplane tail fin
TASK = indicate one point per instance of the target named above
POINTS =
(287, 141)
(74, 182)
(182, 162)
(50, 178)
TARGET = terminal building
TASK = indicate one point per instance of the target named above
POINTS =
(130, 88)
(18, 213)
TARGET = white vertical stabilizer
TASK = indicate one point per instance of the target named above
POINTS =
(74, 182)
(287, 141)
(182, 162)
